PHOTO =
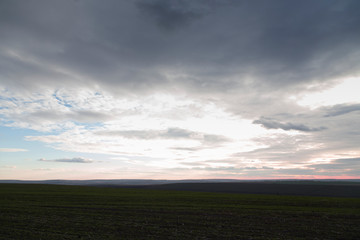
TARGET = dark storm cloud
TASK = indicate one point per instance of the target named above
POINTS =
(274, 124)
(169, 15)
(122, 45)
(342, 109)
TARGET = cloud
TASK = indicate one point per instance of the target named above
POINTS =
(69, 160)
(77, 115)
(188, 149)
(96, 77)
(339, 167)
(341, 109)
(58, 109)
(6, 166)
(233, 169)
(344, 164)
(170, 133)
(273, 124)
(42, 169)
(169, 15)
(13, 150)
(220, 46)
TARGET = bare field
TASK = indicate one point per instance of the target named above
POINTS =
(30, 211)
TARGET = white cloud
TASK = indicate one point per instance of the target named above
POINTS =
(210, 132)
(346, 91)
(13, 150)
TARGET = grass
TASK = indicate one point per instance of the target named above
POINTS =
(76, 212)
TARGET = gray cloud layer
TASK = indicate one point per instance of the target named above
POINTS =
(68, 160)
(170, 15)
(342, 109)
(214, 45)
(273, 124)
(79, 115)
(170, 133)
(344, 164)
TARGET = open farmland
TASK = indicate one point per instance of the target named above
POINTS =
(30, 211)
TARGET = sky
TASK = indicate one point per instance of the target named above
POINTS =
(179, 89)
